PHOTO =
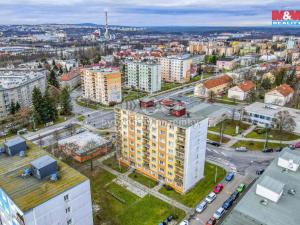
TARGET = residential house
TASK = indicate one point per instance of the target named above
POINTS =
(280, 95)
(216, 85)
(70, 79)
(241, 91)
(228, 63)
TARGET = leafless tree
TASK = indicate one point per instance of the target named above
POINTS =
(284, 121)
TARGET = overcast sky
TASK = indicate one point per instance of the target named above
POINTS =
(144, 12)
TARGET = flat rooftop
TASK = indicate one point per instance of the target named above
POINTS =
(270, 110)
(84, 142)
(196, 109)
(11, 78)
(29, 192)
(250, 211)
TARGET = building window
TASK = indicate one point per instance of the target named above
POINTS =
(66, 197)
(68, 210)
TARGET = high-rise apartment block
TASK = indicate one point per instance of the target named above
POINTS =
(176, 68)
(101, 85)
(37, 189)
(16, 85)
(165, 140)
(145, 76)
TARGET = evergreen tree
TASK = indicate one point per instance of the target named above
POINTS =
(49, 112)
(18, 107)
(266, 84)
(65, 102)
(12, 108)
(37, 100)
(52, 80)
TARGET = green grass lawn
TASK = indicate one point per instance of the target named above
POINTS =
(229, 127)
(202, 188)
(143, 179)
(273, 135)
(121, 207)
(129, 95)
(112, 163)
(167, 86)
(256, 146)
(214, 137)
(223, 101)
(81, 118)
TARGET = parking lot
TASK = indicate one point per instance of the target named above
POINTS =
(229, 188)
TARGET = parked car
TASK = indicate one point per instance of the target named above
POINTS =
(211, 197)
(241, 188)
(241, 149)
(201, 207)
(218, 188)
(260, 171)
(229, 176)
(297, 145)
(219, 213)
(214, 143)
(184, 222)
(170, 218)
(211, 221)
(279, 149)
(228, 203)
(234, 195)
(268, 150)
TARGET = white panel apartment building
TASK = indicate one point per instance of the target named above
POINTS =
(16, 85)
(144, 76)
(176, 68)
(28, 200)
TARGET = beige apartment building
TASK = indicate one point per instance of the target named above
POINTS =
(166, 144)
(176, 68)
(101, 85)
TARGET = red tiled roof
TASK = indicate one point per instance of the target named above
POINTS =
(284, 89)
(217, 81)
(247, 85)
(69, 76)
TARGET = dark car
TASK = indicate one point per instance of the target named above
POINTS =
(214, 143)
(170, 218)
(267, 150)
(228, 203)
(279, 149)
(260, 171)
(234, 195)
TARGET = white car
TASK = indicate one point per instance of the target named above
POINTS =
(219, 213)
(200, 208)
(211, 197)
(184, 222)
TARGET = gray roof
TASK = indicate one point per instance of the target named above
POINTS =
(14, 141)
(42, 161)
(272, 184)
(249, 211)
(288, 156)
(197, 109)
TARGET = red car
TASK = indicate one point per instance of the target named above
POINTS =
(218, 188)
(211, 221)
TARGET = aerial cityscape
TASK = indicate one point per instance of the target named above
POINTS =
(149, 113)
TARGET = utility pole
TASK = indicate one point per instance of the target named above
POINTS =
(267, 137)
(221, 131)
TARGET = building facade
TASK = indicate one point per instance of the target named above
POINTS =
(215, 85)
(167, 148)
(101, 85)
(17, 85)
(30, 196)
(144, 76)
(241, 91)
(176, 68)
(280, 95)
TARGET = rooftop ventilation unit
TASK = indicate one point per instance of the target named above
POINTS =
(264, 202)
(270, 188)
(15, 146)
(289, 161)
(44, 167)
